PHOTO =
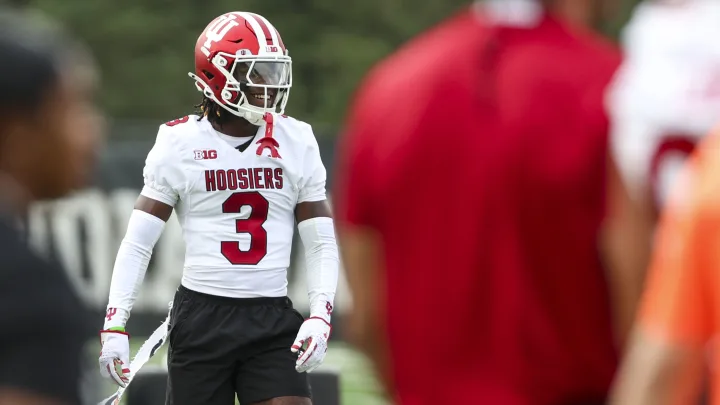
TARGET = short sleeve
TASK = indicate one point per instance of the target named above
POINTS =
(162, 174)
(678, 305)
(312, 187)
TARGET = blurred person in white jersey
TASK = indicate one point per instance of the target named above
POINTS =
(239, 175)
(666, 95)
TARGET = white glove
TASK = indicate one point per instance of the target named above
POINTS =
(311, 344)
(115, 356)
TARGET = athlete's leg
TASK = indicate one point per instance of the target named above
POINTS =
(267, 368)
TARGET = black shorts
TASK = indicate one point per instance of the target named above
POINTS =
(222, 346)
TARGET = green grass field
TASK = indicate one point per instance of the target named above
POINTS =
(358, 384)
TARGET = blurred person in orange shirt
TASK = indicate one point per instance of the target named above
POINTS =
(490, 246)
(680, 312)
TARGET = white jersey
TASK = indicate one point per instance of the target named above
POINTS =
(236, 209)
(666, 96)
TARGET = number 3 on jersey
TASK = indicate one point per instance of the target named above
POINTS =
(252, 225)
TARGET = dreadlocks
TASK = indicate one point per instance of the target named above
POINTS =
(213, 112)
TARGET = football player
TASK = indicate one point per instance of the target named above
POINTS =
(239, 175)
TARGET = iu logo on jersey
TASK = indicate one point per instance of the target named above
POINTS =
(205, 154)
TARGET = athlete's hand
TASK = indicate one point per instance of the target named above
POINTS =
(311, 344)
(115, 356)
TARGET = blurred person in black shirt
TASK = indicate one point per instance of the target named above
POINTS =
(50, 132)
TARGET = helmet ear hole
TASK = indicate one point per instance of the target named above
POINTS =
(208, 75)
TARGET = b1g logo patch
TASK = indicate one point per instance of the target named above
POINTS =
(205, 154)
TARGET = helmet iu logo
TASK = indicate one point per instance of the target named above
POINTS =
(217, 31)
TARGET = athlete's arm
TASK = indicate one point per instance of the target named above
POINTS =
(155, 208)
(145, 227)
(626, 242)
(312, 209)
(317, 232)
(163, 178)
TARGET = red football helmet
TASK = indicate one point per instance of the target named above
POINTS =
(241, 63)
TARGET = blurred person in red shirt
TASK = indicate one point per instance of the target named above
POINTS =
(490, 246)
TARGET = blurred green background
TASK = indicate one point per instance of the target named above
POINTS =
(145, 48)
